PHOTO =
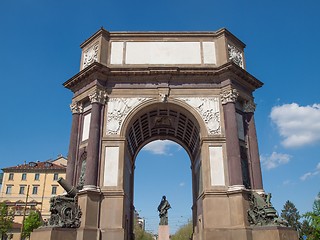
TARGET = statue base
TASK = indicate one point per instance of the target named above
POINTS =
(163, 232)
(274, 232)
(53, 233)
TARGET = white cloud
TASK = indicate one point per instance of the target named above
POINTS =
(274, 160)
(182, 184)
(159, 147)
(305, 176)
(311, 174)
(298, 125)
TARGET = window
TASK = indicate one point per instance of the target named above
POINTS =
(10, 176)
(35, 190)
(54, 190)
(55, 176)
(36, 176)
(24, 177)
(9, 189)
(22, 188)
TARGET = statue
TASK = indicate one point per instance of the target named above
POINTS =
(163, 208)
(261, 211)
(64, 209)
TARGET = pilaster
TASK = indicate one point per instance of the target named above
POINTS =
(228, 99)
(98, 99)
(256, 181)
(76, 109)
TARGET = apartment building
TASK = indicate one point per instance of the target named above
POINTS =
(40, 178)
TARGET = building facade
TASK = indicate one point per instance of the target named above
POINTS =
(41, 179)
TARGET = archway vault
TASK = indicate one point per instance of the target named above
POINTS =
(162, 121)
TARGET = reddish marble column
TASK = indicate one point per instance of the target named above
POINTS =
(76, 109)
(97, 99)
(256, 175)
(228, 99)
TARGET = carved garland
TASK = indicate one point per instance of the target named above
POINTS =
(118, 109)
(208, 108)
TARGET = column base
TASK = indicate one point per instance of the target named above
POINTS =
(163, 232)
(274, 233)
(52, 233)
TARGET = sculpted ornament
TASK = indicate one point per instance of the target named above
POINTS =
(208, 108)
(249, 107)
(76, 107)
(98, 96)
(91, 55)
(118, 109)
(229, 96)
(235, 55)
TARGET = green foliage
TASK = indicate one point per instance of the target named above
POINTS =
(6, 219)
(31, 222)
(140, 234)
(184, 232)
(306, 229)
(291, 214)
(313, 219)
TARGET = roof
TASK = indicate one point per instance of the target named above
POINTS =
(35, 166)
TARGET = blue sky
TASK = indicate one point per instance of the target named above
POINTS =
(40, 50)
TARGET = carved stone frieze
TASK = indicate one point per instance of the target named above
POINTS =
(208, 108)
(235, 55)
(249, 106)
(76, 107)
(230, 95)
(118, 109)
(98, 96)
(91, 55)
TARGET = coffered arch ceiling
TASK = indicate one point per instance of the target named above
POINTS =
(160, 122)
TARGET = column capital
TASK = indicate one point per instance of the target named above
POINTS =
(249, 106)
(76, 107)
(98, 96)
(229, 96)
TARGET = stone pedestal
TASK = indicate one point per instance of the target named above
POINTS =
(49, 233)
(274, 233)
(89, 201)
(163, 232)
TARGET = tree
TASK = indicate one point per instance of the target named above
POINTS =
(6, 220)
(31, 222)
(291, 214)
(306, 230)
(184, 232)
(313, 219)
(140, 234)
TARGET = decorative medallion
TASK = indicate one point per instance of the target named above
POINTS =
(91, 55)
(249, 106)
(235, 55)
(208, 108)
(228, 96)
(76, 107)
(118, 109)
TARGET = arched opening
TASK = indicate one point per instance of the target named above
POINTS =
(163, 168)
(164, 121)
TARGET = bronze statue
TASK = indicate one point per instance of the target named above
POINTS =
(163, 208)
(64, 209)
(261, 211)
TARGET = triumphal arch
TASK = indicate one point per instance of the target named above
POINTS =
(189, 87)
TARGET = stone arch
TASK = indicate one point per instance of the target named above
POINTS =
(172, 120)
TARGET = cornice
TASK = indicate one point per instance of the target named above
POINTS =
(96, 67)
